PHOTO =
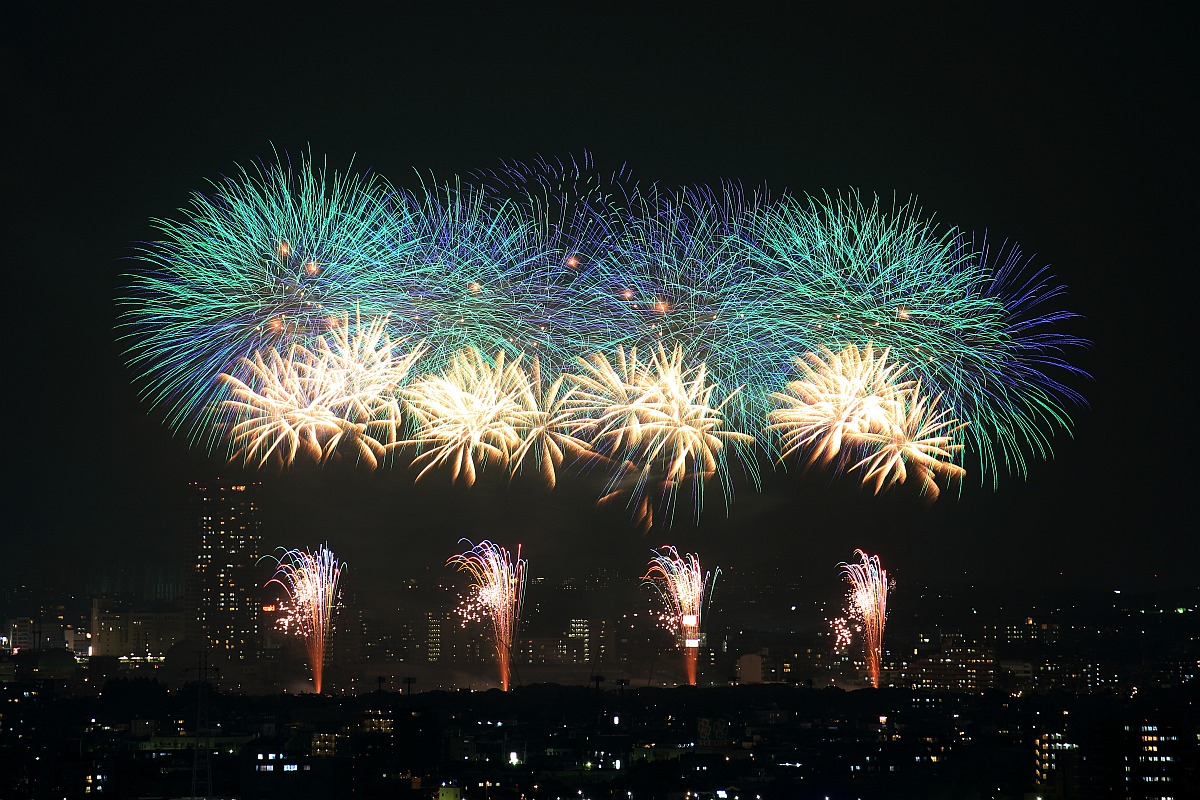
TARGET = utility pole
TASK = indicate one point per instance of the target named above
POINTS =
(202, 744)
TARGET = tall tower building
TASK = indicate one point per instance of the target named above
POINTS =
(224, 579)
(433, 637)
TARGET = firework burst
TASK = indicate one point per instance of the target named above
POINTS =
(476, 279)
(916, 437)
(976, 328)
(841, 396)
(548, 425)
(924, 354)
(311, 582)
(497, 592)
(684, 590)
(313, 401)
(867, 604)
(262, 262)
(852, 405)
(659, 419)
(679, 273)
(578, 209)
(469, 415)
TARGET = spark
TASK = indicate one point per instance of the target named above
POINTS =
(839, 628)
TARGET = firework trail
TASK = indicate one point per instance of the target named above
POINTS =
(684, 590)
(869, 588)
(311, 582)
(497, 592)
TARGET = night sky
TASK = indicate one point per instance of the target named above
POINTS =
(1065, 133)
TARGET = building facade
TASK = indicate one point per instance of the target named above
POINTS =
(224, 578)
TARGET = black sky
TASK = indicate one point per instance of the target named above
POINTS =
(1068, 132)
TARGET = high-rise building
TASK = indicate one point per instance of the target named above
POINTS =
(579, 649)
(224, 579)
(433, 637)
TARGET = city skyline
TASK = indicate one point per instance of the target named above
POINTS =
(1045, 151)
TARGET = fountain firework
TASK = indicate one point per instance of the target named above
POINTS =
(497, 593)
(684, 589)
(311, 582)
(868, 604)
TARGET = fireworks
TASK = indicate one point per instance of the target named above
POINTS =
(312, 401)
(497, 593)
(485, 410)
(263, 262)
(311, 582)
(976, 329)
(684, 590)
(923, 356)
(868, 605)
(852, 403)
(659, 419)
